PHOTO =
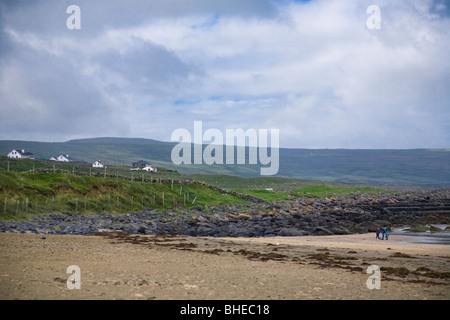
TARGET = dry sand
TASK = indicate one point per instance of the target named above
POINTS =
(119, 266)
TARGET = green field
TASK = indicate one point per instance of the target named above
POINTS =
(26, 193)
(286, 188)
(312, 192)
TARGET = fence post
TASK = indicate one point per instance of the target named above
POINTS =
(26, 205)
(163, 198)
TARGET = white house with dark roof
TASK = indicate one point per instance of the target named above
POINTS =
(64, 158)
(20, 154)
(98, 164)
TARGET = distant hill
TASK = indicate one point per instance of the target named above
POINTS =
(382, 167)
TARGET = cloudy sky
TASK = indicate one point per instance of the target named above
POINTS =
(312, 69)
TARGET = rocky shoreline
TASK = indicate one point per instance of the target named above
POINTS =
(359, 213)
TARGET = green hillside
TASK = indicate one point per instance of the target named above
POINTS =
(382, 167)
(27, 193)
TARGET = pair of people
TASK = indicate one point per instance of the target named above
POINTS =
(383, 232)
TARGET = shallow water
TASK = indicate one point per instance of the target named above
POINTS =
(439, 237)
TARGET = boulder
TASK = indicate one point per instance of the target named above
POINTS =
(340, 230)
(290, 232)
(321, 231)
(239, 232)
(370, 226)
(141, 230)
(357, 229)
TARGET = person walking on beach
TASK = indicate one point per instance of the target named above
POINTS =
(377, 233)
(384, 233)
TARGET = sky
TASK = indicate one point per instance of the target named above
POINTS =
(316, 70)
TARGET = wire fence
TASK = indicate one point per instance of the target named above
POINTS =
(110, 203)
(177, 197)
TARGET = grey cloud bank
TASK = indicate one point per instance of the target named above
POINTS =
(311, 69)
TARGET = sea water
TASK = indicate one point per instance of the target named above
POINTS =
(437, 237)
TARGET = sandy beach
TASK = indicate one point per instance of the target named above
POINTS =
(148, 267)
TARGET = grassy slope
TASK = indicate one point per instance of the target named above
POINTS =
(67, 192)
(285, 188)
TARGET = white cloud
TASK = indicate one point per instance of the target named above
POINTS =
(311, 69)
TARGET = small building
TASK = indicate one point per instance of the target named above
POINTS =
(149, 168)
(141, 164)
(20, 154)
(64, 158)
(98, 164)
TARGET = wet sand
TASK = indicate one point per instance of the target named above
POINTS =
(120, 266)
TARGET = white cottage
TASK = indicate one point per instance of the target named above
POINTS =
(149, 168)
(98, 164)
(20, 154)
(64, 158)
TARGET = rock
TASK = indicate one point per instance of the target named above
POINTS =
(340, 230)
(357, 229)
(239, 232)
(268, 230)
(204, 230)
(381, 223)
(370, 226)
(141, 230)
(290, 232)
(322, 231)
(435, 229)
